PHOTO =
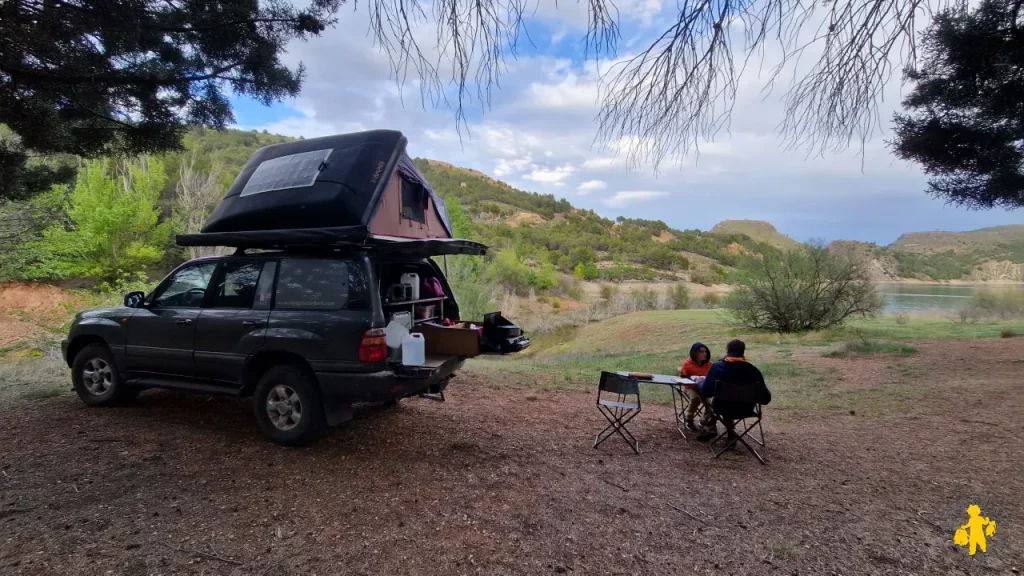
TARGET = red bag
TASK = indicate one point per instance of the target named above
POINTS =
(431, 288)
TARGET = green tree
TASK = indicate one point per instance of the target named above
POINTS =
(581, 255)
(543, 277)
(580, 272)
(113, 226)
(462, 225)
(966, 112)
(92, 77)
(590, 271)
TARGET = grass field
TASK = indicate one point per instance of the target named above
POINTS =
(659, 342)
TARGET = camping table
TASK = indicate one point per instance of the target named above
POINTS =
(674, 383)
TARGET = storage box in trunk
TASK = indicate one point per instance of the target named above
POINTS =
(457, 340)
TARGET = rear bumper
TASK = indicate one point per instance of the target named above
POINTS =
(385, 385)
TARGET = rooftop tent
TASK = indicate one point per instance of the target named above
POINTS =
(346, 188)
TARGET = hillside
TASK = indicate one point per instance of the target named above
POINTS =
(959, 242)
(758, 230)
(542, 230)
(536, 236)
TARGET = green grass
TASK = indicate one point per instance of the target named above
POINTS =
(659, 341)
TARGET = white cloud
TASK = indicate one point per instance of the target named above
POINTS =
(601, 162)
(550, 175)
(623, 199)
(506, 167)
(591, 186)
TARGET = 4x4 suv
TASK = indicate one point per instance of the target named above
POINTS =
(302, 333)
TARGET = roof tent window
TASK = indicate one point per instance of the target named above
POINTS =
(414, 205)
(292, 171)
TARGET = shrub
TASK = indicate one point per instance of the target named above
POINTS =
(590, 271)
(711, 300)
(807, 288)
(608, 291)
(645, 299)
(556, 304)
(475, 294)
(901, 319)
(1008, 333)
(704, 276)
(580, 272)
(680, 296)
(565, 263)
(999, 304)
(543, 277)
(570, 287)
(968, 314)
(508, 271)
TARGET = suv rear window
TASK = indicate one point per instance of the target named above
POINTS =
(307, 284)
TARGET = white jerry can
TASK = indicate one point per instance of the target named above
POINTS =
(414, 350)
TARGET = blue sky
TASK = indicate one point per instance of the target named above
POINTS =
(538, 135)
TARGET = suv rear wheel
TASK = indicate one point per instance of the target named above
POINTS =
(96, 379)
(288, 406)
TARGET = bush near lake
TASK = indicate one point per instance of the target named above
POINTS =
(808, 288)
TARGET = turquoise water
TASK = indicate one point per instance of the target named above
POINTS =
(918, 298)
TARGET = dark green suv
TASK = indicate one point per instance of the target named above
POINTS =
(302, 333)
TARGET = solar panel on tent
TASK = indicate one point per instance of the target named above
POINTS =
(292, 171)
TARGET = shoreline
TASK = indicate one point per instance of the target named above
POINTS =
(952, 282)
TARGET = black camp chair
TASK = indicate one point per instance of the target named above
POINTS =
(733, 405)
(619, 411)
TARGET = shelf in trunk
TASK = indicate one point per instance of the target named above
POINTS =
(420, 301)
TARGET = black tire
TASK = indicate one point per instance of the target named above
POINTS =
(96, 379)
(289, 388)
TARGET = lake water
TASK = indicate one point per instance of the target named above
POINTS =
(941, 298)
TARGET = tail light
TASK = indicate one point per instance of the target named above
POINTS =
(374, 346)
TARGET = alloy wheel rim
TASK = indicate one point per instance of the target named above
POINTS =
(284, 407)
(97, 376)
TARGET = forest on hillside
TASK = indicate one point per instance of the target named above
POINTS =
(115, 224)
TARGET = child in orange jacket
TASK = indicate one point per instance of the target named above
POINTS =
(696, 367)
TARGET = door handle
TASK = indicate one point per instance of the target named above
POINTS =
(185, 322)
(252, 323)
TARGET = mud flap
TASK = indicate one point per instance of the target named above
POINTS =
(337, 413)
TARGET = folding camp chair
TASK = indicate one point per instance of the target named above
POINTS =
(619, 411)
(733, 405)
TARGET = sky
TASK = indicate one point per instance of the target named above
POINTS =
(538, 134)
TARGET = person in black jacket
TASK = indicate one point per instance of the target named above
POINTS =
(733, 368)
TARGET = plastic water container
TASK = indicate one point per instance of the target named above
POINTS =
(412, 279)
(395, 333)
(414, 350)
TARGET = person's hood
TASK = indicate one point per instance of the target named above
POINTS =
(693, 351)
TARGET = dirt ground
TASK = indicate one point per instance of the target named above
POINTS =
(503, 480)
(26, 310)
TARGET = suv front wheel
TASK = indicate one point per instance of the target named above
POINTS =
(288, 406)
(96, 379)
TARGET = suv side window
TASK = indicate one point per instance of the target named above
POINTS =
(235, 285)
(186, 288)
(308, 284)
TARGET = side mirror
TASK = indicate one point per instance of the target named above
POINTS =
(134, 299)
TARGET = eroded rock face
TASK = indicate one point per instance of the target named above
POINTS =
(999, 271)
